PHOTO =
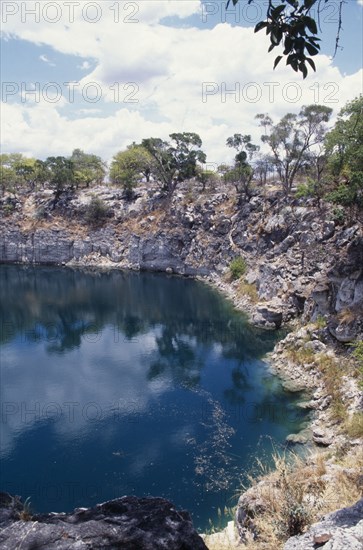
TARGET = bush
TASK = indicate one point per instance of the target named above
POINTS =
(96, 211)
(238, 267)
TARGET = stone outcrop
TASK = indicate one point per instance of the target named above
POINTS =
(128, 522)
(339, 530)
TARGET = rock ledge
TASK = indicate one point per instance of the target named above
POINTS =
(130, 523)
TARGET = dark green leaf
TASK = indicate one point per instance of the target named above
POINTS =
(311, 25)
(271, 47)
(311, 49)
(288, 45)
(260, 25)
(303, 69)
(276, 12)
(311, 63)
(277, 60)
(309, 3)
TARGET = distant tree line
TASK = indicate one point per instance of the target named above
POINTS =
(301, 150)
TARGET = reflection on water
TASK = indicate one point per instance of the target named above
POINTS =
(125, 383)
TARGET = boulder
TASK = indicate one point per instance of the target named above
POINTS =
(130, 523)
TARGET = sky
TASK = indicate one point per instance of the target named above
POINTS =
(99, 75)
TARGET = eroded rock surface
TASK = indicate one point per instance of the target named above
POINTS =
(130, 523)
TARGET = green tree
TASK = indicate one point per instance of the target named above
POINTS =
(293, 138)
(176, 161)
(89, 169)
(242, 173)
(294, 25)
(127, 167)
(60, 175)
(344, 146)
(206, 177)
(17, 172)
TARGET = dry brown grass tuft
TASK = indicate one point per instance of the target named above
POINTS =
(300, 491)
(249, 290)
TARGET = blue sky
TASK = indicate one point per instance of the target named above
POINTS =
(152, 67)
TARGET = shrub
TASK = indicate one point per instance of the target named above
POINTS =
(238, 267)
(96, 211)
(339, 215)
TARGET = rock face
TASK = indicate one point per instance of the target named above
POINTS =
(341, 530)
(128, 522)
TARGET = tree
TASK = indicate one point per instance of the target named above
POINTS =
(344, 146)
(8, 175)
(293, 138)
(177, 161)
(292, 24)
(60, 175)
(263, 166)
(88, 168)
(127, 167)
(206, 177)
(242, 173)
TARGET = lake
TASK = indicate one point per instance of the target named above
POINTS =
(117, 383)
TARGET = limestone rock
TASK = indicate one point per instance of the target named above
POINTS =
(340, 530)
(128, 522)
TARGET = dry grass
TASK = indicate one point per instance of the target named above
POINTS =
(331, 371)
(249, 290)
(347, 315)
(354, 425)
(298, 492)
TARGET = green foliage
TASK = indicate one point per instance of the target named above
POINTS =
(127, 167)
(97, 211)
(206, 177)
(339, 216)
(60, 175)
(175, 161)
(292, 138)
(88, 169)
(238, 267)
(242, 172)
(320, 322)
(293, 25)
(344, 145)
(8, 208)
(16, 171)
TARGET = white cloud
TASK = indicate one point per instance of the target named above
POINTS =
(46, 60)
(85, 66)
(153, 79)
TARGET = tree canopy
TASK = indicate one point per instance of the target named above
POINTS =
(177, 160)
(293, 137)
(344, 146)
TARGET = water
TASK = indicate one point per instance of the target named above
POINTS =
(131, 383)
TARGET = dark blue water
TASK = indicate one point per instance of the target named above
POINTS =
(126, 383)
